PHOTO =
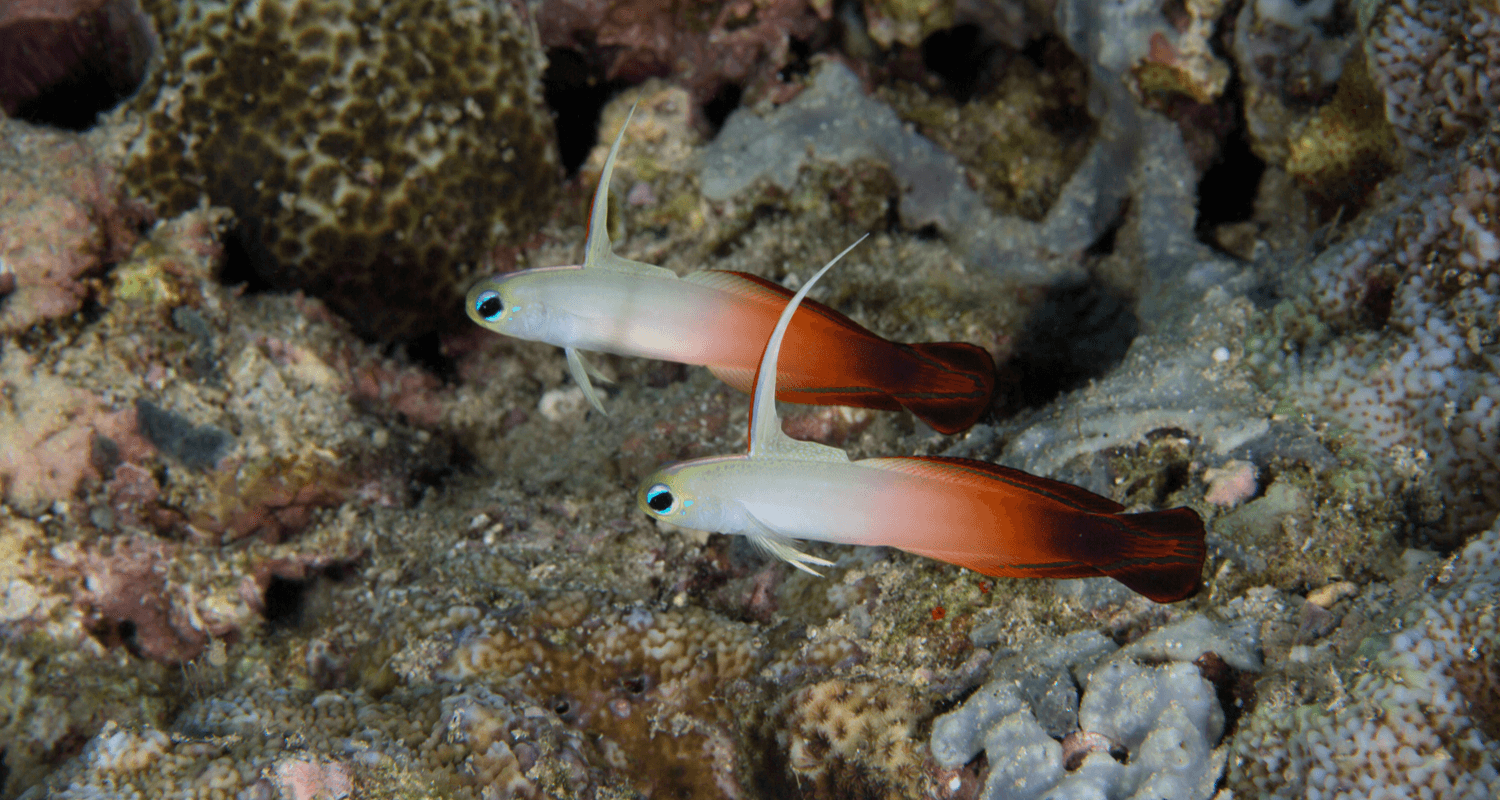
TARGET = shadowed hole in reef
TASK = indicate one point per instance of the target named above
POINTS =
(239, 265)
(75, 103)
(576, 91)
(719, 107)
(1079, 332)
(285, 600)
(1226, 192)
(79, 67)
(965, 59)
(427, 352)
(289, 602)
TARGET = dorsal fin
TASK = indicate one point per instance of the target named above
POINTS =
(766, 437)
(598, 252)
(760, 290)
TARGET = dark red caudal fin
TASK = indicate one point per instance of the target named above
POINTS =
(1159, 554)
(949, 385)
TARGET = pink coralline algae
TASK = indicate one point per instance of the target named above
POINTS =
(154, 598)
(301, 779)
(706, 46)
(51, 435)
(128, 593)
(62, 218)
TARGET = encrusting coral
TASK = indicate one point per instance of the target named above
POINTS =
(1393, 337)
(649, 685)
(460, 743)
(1126, 728)
(1422, 720)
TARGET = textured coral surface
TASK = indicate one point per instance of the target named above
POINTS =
(374, 152)
(258, 540)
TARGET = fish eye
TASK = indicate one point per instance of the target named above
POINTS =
(659, 498)
(489, 305)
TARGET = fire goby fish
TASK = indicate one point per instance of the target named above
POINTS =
(720, 319)
(988, 518)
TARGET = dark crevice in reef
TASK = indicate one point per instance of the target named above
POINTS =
(968, 63)
(1227, 190)
(284, 601)
(1079, 332)
(800, 63)
(75, 103)
(241, 254)
(719, 107)
(576, 91)
(66, 71)
(1105, 244)
(426, 351)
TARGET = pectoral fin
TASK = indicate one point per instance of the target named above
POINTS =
(580, 370)
(774, 544)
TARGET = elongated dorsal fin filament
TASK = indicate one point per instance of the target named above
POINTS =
(598, 251)
(766, 436)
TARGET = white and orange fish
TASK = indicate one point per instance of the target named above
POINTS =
(721, 320)
(988, 518)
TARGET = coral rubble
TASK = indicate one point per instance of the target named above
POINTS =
(63, 216)
(703, 46)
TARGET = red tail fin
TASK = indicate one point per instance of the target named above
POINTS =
(1159, 554)
(950, 386)
(1025, 526)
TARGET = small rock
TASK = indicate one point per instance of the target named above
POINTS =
(1327, 596)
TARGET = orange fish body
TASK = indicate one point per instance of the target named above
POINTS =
(988, 518)
(1004, 522)
(715, 319)
(722, 320)
(833, 360)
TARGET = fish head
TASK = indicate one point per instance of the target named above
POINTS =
(509, 305)
(689, 494)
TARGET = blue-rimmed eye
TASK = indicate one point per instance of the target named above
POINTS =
(659, 498)
(489, 305)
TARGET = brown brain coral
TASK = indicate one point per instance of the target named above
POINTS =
(371, 150)
(837, 735)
